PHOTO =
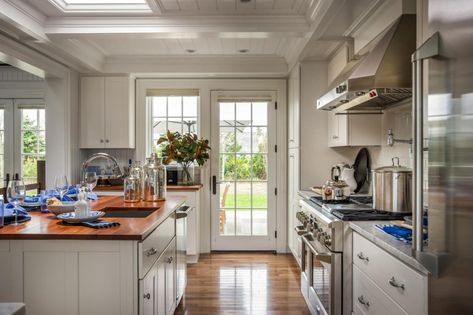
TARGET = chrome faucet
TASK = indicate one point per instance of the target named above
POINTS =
(392, 140)
(93, 157)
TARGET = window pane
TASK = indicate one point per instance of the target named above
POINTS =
(227, 114)
(2, 111)
(159, 127)
(174, 125)
(227, 213)
(1, 168)
(29, 142)
(189, 124)
(260, 139)
(29, 119)
(174, 106)
(42, 142)
(260, 221)
(243, 195)
(243, 114)
(227, 167)
(29, 167)
(243, 166)
(260, 114)
(189, 106)
(2, 141)
(260, 195)
(243, 139)
(227, 139)
(159, 106)
(243, 222)
(42, 119)
(260, 166)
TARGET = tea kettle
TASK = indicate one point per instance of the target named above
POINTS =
(335, 188)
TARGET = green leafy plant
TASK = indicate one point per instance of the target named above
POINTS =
(185, 149)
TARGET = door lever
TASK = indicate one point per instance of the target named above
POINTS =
(214, 185)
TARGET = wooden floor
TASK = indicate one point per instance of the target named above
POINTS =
(243, 283)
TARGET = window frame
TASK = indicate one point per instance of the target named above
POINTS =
(12, 125)
(150, 118)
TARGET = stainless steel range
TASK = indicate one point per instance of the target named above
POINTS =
(322, 232)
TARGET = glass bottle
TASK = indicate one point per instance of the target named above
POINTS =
(154, 178)
(132, 188)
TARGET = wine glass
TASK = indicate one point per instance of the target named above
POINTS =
(91, 180)
(16, 193)
(62, 185)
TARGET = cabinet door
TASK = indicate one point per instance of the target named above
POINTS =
(119, 113)
(293, 108)
(161, 286)
(170, 255)
(148, 293)
(293, 188)
(337, 130)
(92, 111)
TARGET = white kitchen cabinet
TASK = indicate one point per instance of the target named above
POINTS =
(354, 130)
(170, 260)
(193, 222)
(293, 123)
(107, 112)
(385, 282)
(148, 297)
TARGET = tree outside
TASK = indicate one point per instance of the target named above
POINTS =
(33, 149)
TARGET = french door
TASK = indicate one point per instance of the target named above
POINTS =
(243, 169)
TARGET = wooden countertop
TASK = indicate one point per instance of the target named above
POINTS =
(168, 188)
(47, 226)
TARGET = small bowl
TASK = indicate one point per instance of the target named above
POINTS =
(67, 206)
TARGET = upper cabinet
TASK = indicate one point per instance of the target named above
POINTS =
(107, 113)
(354, 130)
(293, 124)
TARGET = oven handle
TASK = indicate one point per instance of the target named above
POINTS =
(323, 257)
(300, 231)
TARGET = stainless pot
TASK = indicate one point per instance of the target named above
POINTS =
(392, 188)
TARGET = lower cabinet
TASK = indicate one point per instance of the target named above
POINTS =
(158, 287)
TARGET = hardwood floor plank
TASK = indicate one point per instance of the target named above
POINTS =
(243, 283)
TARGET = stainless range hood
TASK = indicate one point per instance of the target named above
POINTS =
(381, 77)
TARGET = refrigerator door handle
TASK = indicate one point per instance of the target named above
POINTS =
(429, 49)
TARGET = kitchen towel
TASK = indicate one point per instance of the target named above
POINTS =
(97, 224)
(9, 214)
(398, 232)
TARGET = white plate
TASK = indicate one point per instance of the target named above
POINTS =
(70, 217)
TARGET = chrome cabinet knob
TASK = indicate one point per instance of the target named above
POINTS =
(106, 141)
(169, 260)
(101, 140)
(362, 301)
(396, 284)
(152, 251)
(147, 296)
(363, 257)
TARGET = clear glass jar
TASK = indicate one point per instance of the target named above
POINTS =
(154, 179)
(132, 188)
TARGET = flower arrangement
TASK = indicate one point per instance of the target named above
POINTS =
(185, 149)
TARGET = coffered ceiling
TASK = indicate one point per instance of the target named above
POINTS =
(106, 35)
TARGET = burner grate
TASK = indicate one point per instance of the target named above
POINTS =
(367, 215)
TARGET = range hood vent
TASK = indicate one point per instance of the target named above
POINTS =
(381, 77)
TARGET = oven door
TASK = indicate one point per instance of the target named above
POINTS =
(325, 278)
(305, 269)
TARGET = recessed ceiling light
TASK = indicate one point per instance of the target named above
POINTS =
(190, 51)
(243, 51)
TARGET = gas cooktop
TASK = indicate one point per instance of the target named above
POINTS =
(356, 208)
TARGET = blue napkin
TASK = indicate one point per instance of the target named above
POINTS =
(9, 214)
(398, 232)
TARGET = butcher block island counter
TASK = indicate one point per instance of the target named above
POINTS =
(62, 269)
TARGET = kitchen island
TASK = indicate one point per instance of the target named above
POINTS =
(56, 268)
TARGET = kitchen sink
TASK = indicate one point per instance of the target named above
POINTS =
(127, 212)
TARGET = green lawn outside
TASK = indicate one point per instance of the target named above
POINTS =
(244, 201)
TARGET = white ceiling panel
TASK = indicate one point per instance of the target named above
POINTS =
(207, 5)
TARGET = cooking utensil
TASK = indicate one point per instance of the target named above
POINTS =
(362, 169)
(392, 188)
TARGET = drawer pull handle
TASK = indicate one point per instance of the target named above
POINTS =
(152, 251)
(363, 257)
(396, 284)
(362, 301)
(169, 260)
(147, 296)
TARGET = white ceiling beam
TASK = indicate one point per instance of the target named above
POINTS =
(180, 27)
(198, 65)
(24, 18)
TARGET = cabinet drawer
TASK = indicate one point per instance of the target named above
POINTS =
(403, 284)
(369, 299)
(151, 248)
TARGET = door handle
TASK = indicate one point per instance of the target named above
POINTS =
(214, 185)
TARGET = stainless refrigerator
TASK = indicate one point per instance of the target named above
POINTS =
(443, 147)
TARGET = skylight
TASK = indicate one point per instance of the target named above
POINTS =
(102, 6)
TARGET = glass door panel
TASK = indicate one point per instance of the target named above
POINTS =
(241, 135)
